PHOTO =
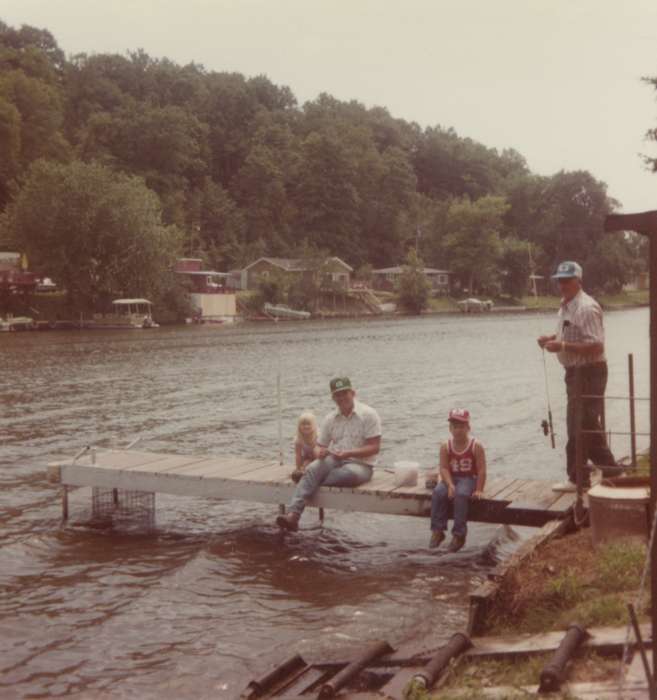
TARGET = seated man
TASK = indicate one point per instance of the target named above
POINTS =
(349, 439)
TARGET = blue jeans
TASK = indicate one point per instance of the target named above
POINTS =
(328, 471)
(464, 487)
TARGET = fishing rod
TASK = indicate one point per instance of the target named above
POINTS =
(546, 424)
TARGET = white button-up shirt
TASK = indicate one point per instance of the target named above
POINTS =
(340, 432)
(580, 321)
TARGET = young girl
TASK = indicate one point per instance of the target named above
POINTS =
(305, 444)
(463, 476)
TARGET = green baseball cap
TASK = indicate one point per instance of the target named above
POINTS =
(340, 384)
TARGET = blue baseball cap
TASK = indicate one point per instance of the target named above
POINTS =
(568, 269)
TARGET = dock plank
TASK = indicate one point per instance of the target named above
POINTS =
(271, 472)
(564, 502)
(165, 464)
(539, 497)
(226, 468)
(219, 469)
(505, 493)
(117, 459)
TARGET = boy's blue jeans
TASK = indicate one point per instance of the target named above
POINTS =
(464, 487)
(328, 472)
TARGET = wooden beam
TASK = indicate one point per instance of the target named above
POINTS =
(645, 222)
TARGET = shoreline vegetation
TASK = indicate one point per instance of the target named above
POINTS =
(122, 163)
(563, 581)
(52, 307)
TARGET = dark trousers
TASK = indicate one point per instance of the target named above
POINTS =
(594, 445)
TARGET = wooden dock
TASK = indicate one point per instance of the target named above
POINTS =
(507, 500)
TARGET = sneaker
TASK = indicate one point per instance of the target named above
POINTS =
(564, 486)
(457, 542)
(437, 538)
(289, 521)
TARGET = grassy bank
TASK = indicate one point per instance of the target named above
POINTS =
(565, 581)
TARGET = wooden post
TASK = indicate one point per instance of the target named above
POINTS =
(646, 224)
(653, 438)
(64, 502)
(630, 371)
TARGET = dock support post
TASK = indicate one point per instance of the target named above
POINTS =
(630, 372)
(321, 516)
(281, 508)
(115, 497)
(64, 502)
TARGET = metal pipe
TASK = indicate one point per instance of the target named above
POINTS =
(618, 398)
(642, 651)
(456, 645)
(630, 373)
(579, 442)
(612, 432)
(553, 673)
(330, 688)
(265, 683)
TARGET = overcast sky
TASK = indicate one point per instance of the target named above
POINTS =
(558, 80)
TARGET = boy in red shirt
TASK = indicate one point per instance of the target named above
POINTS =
(463, 476)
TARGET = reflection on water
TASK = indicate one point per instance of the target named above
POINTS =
(215, 594)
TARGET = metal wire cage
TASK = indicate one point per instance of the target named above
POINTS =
(133, 508)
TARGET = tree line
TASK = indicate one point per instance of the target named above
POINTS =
(114, 164)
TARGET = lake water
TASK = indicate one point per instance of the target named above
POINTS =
(214, 595)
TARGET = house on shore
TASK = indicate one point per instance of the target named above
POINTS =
(209, 294)
(387, 278)
(14, 277)
(332, 272)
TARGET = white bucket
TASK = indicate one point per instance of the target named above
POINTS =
(406, 473)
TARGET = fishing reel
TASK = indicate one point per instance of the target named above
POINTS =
(545, 426)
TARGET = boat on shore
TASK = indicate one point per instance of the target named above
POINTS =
(17, 323)
(285, 312)
(126, 313)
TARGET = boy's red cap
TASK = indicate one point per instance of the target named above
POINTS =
(460, 415)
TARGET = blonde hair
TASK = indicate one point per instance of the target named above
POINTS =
(309, 417)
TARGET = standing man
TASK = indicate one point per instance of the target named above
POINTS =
(579, 344)
(349, 440)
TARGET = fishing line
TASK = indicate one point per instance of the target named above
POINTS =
(547, 425)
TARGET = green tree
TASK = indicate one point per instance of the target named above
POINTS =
(413, 289)
(611, 264)
(41, 112)
(97, 232)
(514, 264)
(472, 243)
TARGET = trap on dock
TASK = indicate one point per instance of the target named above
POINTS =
(506, 500)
